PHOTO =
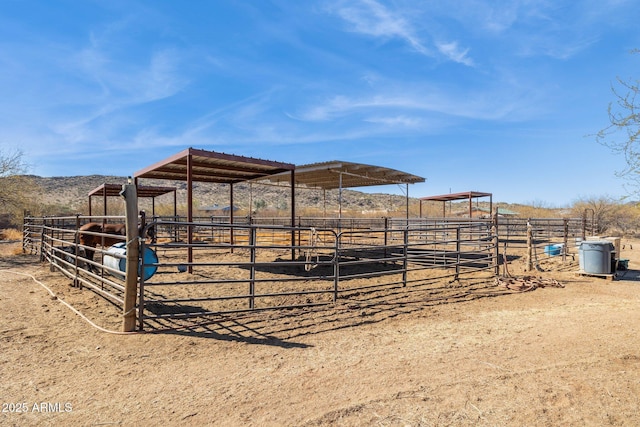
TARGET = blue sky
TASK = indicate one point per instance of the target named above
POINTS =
(494, 96)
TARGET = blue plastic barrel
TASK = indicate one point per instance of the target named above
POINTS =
(596, 256)
(120, 262)
(553, 250)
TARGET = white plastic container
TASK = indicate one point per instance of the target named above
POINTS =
(116, 258)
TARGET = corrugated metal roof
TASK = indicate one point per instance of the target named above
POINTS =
(457, 196)
(467, 195)
(217, 208)
(210, 166)
(499, 211)
(340, 174)
(110, 190)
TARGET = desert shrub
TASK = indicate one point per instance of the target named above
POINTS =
(10, 234)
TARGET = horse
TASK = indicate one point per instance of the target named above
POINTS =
(91, 240)
(68, 255)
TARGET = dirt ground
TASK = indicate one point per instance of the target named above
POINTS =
(554, 356)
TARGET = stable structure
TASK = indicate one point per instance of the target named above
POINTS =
(338, 174)
(501, 212)
(114, 190)
(195, 165)
(252, 271)
(469, 195)
(217, 209)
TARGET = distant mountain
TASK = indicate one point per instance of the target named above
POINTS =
(70, 195)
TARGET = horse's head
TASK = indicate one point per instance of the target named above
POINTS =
(150, 232)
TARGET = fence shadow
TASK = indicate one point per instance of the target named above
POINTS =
(285, 328)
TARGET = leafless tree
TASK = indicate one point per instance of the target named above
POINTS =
(624, 130)
(14, 185)
(601, 211)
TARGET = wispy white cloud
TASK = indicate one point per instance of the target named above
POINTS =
(557, 29)
(257, 122)
(402, 121)
(454, 53)
(450, 30)
(108, 108)
(152, 76)
(76, 97)
(477, 105)
(372, 18)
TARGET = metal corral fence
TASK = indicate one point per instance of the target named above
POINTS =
(513, 232)
(56, 240)
(231, 268)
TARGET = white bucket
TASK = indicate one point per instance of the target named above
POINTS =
(116, 259)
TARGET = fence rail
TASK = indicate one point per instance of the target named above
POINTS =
(231, 268)
(211, 267)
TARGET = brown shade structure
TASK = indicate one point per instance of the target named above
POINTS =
(458, 196)
(210, 166)
(338, 174)
(112, 190)
(195, 165)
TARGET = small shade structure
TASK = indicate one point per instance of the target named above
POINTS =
(471, 195)
(112, 190)
(499, 211)
(218, 208)
(195, 165)
(337, 174)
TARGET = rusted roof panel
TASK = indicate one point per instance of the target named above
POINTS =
(111, 190)
(210, 166)
(457, 196)
(339, 174)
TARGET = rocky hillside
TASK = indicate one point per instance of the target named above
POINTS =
(64, 195)
(69, 195)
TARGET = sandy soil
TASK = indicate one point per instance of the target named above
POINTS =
(554, 356)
